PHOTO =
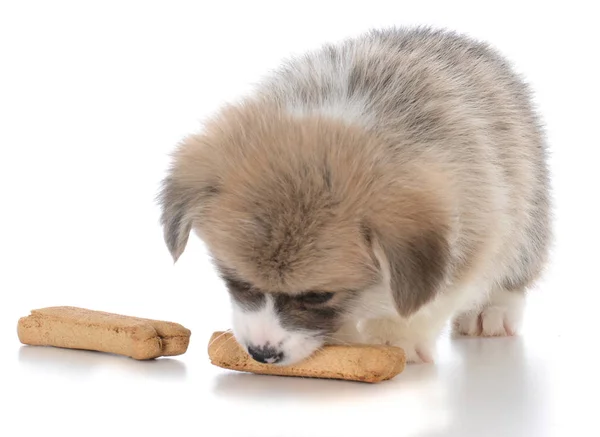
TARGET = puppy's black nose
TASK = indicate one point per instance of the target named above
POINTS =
(266, 355)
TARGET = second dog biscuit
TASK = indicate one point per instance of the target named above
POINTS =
(78, 328)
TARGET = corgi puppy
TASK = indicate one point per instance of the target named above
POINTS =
(370, 191)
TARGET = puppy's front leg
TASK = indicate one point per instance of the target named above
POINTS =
(347, 334)
(418, 343)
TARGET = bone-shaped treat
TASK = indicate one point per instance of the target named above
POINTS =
(79, 328)
(363, 363)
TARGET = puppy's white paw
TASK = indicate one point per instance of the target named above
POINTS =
(347, 334)
(416, 352)
(500, 317)
(392, 334)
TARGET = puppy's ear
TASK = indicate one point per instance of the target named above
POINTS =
(176, 220)
(180, 207)
(418, 266)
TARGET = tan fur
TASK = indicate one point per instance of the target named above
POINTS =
(257, 225)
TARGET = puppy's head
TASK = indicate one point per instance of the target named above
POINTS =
(307, 221)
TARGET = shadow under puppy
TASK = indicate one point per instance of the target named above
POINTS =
(370, 191)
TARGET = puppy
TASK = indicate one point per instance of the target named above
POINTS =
(370, 191)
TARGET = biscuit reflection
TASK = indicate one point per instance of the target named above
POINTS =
(82, 364)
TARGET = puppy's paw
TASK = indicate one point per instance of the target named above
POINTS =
(347, 334)
(416, 352)
(392, 334)
(500, 317)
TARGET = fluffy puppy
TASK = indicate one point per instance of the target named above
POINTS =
(370, 191)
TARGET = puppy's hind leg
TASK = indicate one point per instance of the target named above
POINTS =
(500, 315)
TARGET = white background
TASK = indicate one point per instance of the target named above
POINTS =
(93, 97)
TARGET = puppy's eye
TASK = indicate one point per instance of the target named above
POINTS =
(235, 284)
(315, 298)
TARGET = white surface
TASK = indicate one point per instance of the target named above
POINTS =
(93, 95)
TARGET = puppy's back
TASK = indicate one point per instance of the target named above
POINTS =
(442, 100)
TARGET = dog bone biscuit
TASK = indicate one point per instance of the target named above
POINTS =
(79, 328)
(355, 363)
